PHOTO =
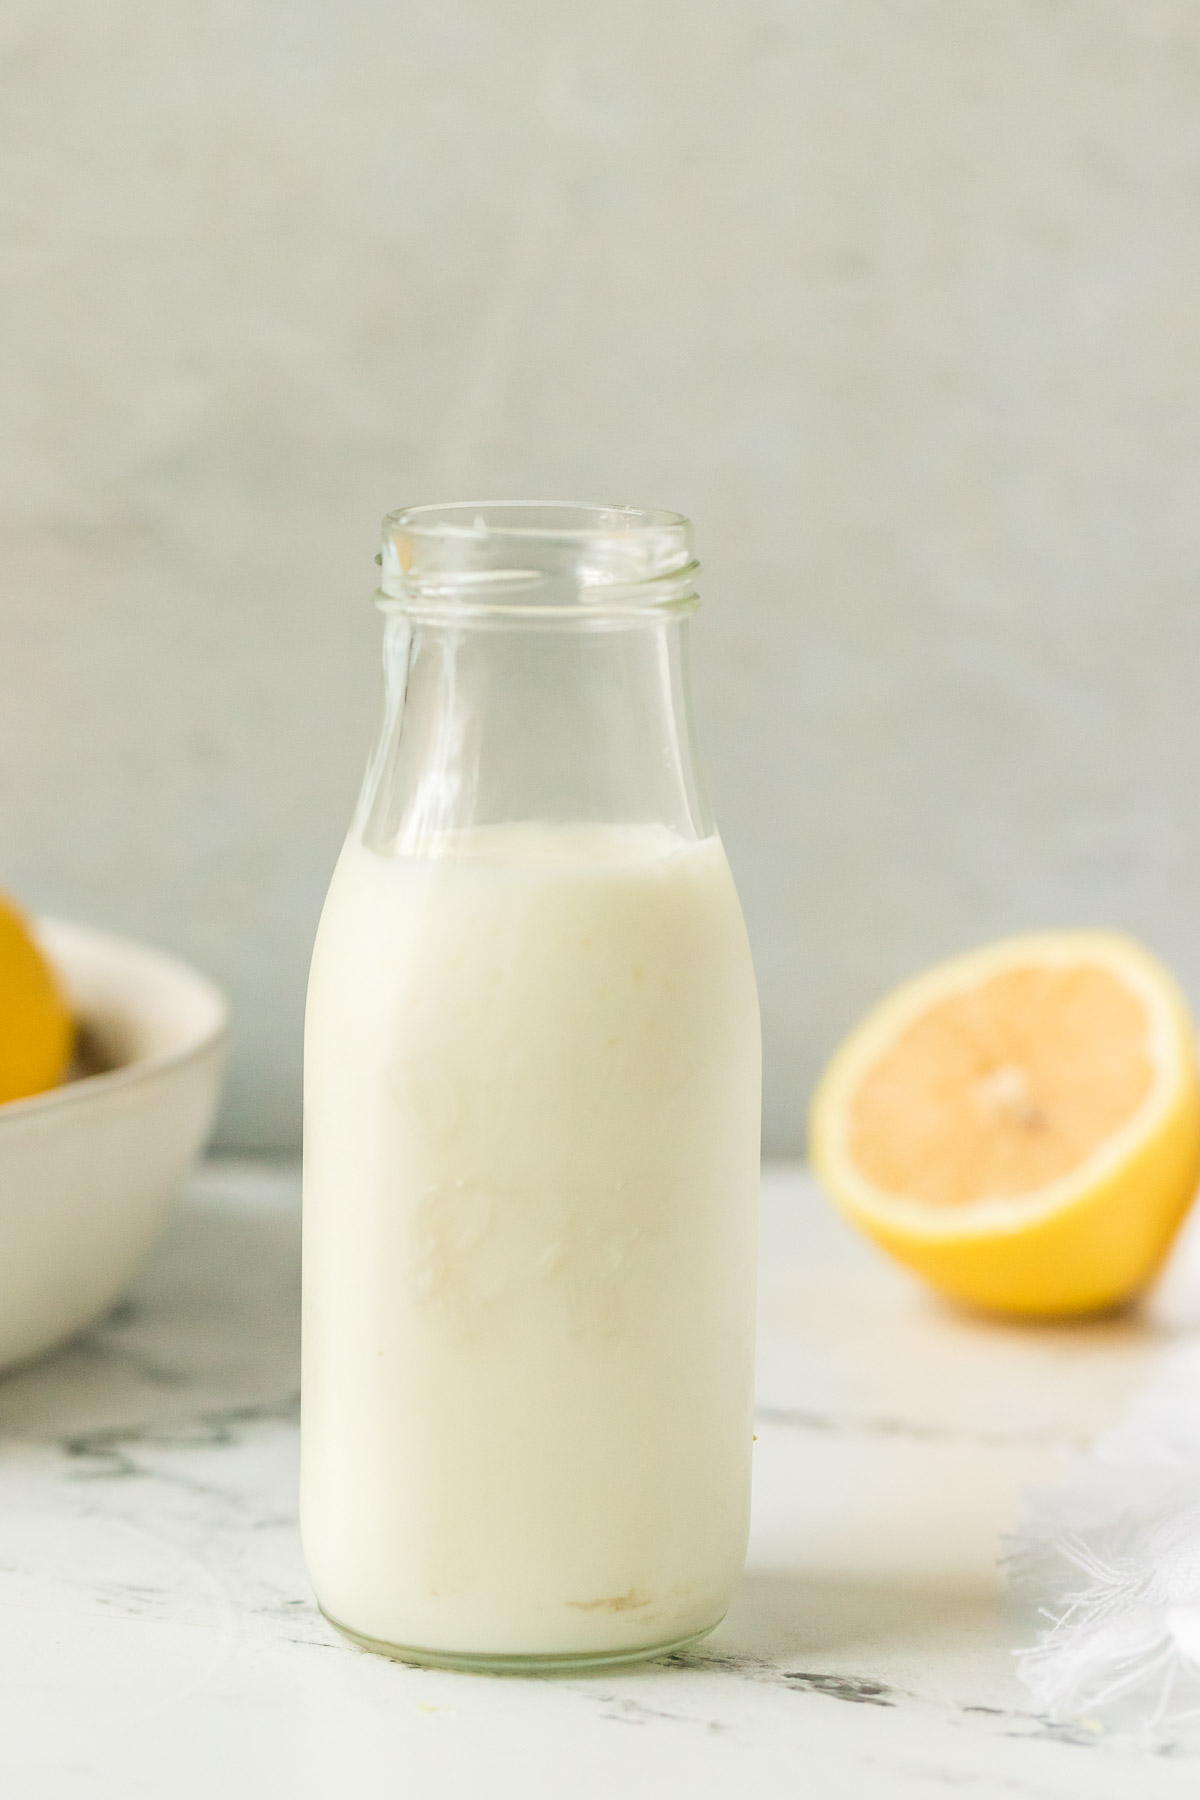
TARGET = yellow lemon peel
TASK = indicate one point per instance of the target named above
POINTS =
(36, 1033)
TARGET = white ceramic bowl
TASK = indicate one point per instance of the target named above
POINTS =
(88, 1170)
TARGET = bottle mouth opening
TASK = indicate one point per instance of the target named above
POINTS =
(537, 560)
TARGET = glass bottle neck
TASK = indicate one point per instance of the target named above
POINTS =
(495, 723)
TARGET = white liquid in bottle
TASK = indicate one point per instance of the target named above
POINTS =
(531, 1163)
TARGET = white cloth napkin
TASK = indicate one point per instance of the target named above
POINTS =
(1111, 1557)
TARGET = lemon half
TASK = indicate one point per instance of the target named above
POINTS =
(1020, 1125)
(36, 1033)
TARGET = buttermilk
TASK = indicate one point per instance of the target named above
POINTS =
(531, 1162)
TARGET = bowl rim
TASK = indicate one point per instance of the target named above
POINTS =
(199, 1043)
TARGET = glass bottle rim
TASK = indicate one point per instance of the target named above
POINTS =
(537, 560)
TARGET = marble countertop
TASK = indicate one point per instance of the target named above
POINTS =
(158, 1637)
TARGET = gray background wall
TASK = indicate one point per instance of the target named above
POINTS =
(900, 301)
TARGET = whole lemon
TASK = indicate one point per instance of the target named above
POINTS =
(36, 1033)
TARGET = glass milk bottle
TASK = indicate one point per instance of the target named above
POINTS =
(532, 1081)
